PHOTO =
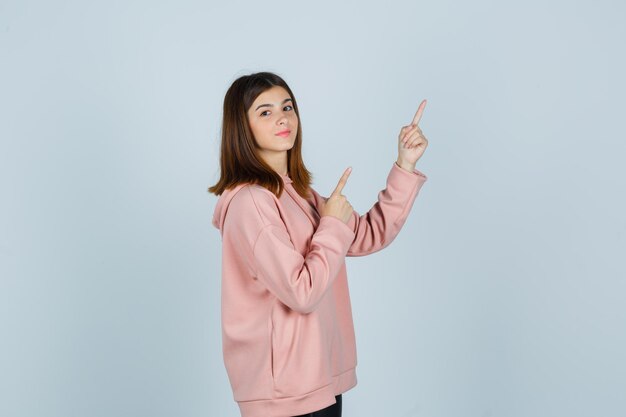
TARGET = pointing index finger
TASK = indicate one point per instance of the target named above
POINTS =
(418, 114)
(342, 181)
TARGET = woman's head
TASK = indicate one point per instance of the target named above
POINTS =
(273, 112)
(256, 108)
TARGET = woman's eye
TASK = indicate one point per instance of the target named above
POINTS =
(263, 113)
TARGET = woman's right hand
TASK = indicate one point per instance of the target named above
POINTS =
(336, 204)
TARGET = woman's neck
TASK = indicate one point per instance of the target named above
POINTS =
(276, 160)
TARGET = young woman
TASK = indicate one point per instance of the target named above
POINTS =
(287, 332)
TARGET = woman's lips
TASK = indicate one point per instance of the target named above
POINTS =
(284, 134)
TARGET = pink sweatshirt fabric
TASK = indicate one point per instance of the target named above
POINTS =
(287, 331)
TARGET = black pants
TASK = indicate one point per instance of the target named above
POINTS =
(333, 410)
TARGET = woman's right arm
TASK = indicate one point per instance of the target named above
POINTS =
(299, 281)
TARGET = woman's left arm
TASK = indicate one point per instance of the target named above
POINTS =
(377, 228)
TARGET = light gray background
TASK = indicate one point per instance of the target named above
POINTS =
(502, 296)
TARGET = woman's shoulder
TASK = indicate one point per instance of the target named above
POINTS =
(250, 194)
(253, 199)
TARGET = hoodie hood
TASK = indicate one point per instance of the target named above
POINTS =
(219, 214)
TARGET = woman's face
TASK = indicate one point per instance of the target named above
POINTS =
(272, 112)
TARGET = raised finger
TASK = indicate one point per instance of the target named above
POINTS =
(342, 181)
(418, 114)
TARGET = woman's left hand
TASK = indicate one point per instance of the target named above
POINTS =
(411, 141)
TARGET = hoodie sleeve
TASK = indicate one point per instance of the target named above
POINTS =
(299, 281)
(377, 228)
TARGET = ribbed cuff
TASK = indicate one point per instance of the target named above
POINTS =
(399, 170)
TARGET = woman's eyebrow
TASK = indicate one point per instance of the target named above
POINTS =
(271, 105)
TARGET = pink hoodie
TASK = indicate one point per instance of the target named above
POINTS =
(287, 333)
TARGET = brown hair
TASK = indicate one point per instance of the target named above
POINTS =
(239, 159)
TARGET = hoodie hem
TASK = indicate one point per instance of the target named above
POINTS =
(303, 404)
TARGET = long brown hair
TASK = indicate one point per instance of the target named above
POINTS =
(239, 159)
